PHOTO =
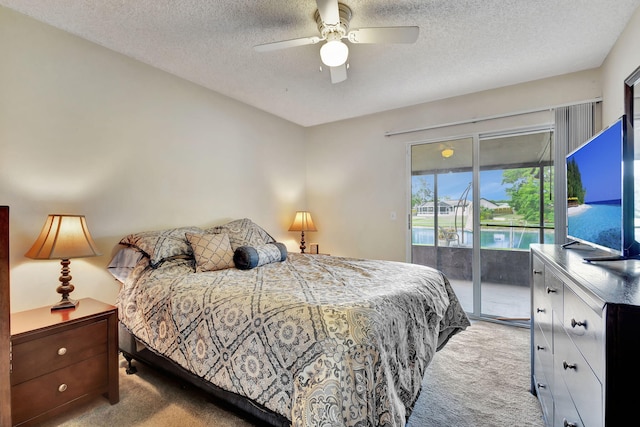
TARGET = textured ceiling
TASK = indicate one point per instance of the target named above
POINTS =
(464, 46)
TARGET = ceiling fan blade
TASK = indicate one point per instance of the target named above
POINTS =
(339, 73)
(384, 35)
(329, 12)
(286, 43)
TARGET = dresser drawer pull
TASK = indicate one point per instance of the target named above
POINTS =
(575, 323)
(551, 290)
(540, 310)
(62, 388)
(566, 423)
(540, 385)
(537, 271)
(539, 347)
(62, 351)
(566, 365)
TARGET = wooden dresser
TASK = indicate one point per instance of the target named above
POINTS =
(585, 337)
(61, 359)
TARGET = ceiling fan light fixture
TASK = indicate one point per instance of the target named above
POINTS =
(334, 53)
(447, 152)
(333, 19)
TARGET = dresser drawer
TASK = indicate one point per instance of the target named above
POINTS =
(58, 387)
(584, 387)
(547, 299)
(41, 355)
(543, 359)
(586, 329)
(565, 413)
(553, 288)
(543, 377)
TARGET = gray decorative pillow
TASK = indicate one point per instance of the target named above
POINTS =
(123, 262)
(211, 251)
(243, 232)
(247, 257)
(162, 245)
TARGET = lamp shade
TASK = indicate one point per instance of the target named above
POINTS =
(302, 222)
(334, 53)
(64, 237)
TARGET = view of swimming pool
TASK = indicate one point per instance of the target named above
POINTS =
(506, 238)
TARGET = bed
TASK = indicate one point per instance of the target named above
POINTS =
(293, 339)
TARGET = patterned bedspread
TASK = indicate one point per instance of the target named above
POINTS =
(321, 340)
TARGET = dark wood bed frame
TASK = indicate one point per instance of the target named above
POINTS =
(131, 349)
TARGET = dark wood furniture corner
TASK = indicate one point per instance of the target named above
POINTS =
(5, 320)
(61, 359)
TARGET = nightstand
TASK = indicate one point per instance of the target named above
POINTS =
(61, 359)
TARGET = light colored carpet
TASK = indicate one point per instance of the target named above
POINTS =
(480, 379)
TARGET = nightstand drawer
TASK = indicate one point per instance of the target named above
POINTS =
(42, 355)
(59, 387)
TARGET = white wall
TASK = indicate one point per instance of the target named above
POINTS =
(88, 131)
(622, 60)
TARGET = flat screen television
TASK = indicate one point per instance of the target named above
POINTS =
(600, 210)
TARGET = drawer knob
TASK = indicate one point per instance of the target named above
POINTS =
(540, 310)
(540, 385)
(566, 365)
(575, 323)
(537, 272)
(62, 387)
(566, 423)
(551, 290)
(62, 351)
(539, 347)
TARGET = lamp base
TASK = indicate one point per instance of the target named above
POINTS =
(65, 288)
(65, 303)
(302, 245)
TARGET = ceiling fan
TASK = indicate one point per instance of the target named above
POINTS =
(333, 19)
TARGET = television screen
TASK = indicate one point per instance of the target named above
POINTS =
(595, 190)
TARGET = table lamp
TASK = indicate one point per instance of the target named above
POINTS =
(302, 222)
(64, 237)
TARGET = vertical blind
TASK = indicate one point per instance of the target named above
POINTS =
(574, 124)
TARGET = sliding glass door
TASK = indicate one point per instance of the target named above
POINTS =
(516, 209)
(442, 207)
(499, 185)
